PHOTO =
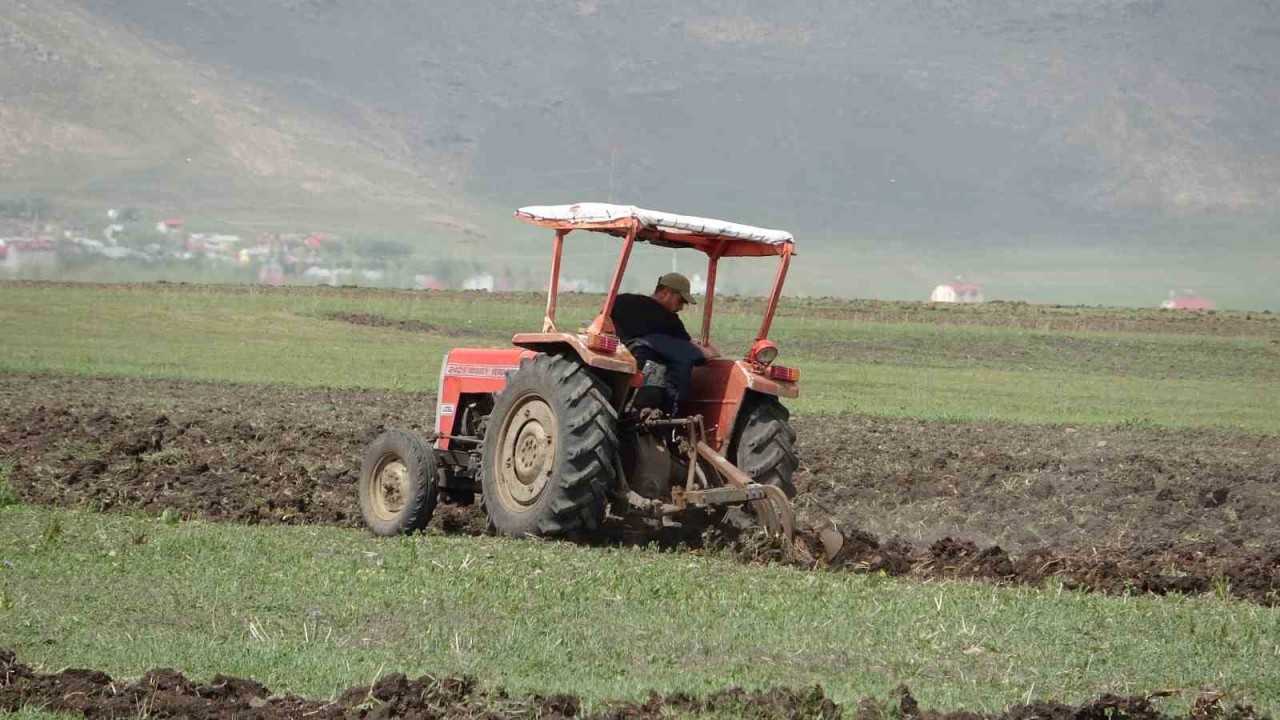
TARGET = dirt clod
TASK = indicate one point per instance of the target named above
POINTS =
(164, 693)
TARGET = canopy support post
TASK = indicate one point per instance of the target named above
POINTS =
(600, 323)
(553, 290)
(777, 293)
(709, 301)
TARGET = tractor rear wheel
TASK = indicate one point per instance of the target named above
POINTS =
(399, 483)
(765, 445)
(550, 450)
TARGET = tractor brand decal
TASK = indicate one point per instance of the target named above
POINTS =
(446, 408)
(488, 371)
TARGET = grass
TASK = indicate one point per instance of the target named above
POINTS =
(313, 610)
(1128, 355)
(81, 450)
(1175, 379)
(8, 496)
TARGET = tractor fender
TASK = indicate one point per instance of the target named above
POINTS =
(720, 390)
(616, 369)
(758, 383)
(620, 360)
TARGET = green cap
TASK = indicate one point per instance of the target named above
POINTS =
(680, 284)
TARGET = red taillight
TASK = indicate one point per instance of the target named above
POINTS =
(603, 343)
(785, 374)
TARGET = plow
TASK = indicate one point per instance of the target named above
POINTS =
(565, 429)
(709, 482)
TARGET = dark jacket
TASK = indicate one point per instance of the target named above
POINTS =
(639, 315)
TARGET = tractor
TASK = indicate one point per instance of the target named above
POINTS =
(561, 430)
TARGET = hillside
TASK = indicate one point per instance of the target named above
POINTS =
(93, 112)
(1035, 148)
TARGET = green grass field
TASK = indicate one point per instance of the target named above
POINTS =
(885, 368)
(313, 610)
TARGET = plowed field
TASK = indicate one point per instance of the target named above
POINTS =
(165, 693)
(1119, 510)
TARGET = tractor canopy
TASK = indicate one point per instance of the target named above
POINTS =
(717, 238)
(598, 343)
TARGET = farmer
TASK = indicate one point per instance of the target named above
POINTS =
(648, 324)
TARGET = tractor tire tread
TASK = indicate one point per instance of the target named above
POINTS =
(589, 443)
(764, 447)
(421, 462)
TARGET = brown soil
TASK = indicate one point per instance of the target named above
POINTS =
(1030, 486)
(415, 326)
(164, 693)
(371, 320)
(1111, 509)
(1119, 510)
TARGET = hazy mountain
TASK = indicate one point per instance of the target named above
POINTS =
(93, 109)
(1067, 149)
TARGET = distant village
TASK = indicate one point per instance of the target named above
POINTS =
(38, 250)
(47, 249)
(966, 292)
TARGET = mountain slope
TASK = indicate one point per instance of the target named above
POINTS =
(930, 136)
(92, 110)
(1075, 106)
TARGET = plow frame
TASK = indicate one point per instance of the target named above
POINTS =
(735, 488)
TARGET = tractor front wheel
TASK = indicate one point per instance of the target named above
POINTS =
(550, 450)
(399, 483)
(765, 445)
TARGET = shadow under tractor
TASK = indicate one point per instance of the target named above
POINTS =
(554, 433)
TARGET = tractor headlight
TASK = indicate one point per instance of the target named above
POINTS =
(764, 352)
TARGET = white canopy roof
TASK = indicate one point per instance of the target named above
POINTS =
(604, 213)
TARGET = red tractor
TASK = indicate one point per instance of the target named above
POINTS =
(551, 432)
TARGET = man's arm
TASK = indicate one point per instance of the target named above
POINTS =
(675, 327)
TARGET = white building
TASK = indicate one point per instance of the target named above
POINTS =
(483, 281)
(957, 292)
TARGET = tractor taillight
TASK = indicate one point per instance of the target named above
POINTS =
(603, 343)
(785, 374)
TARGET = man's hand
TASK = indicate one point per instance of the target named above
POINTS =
(708, 351)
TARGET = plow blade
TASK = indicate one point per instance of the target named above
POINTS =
(832, 540)
(769, 503)
(775, 512)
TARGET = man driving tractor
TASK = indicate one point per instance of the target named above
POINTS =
(649, 325)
